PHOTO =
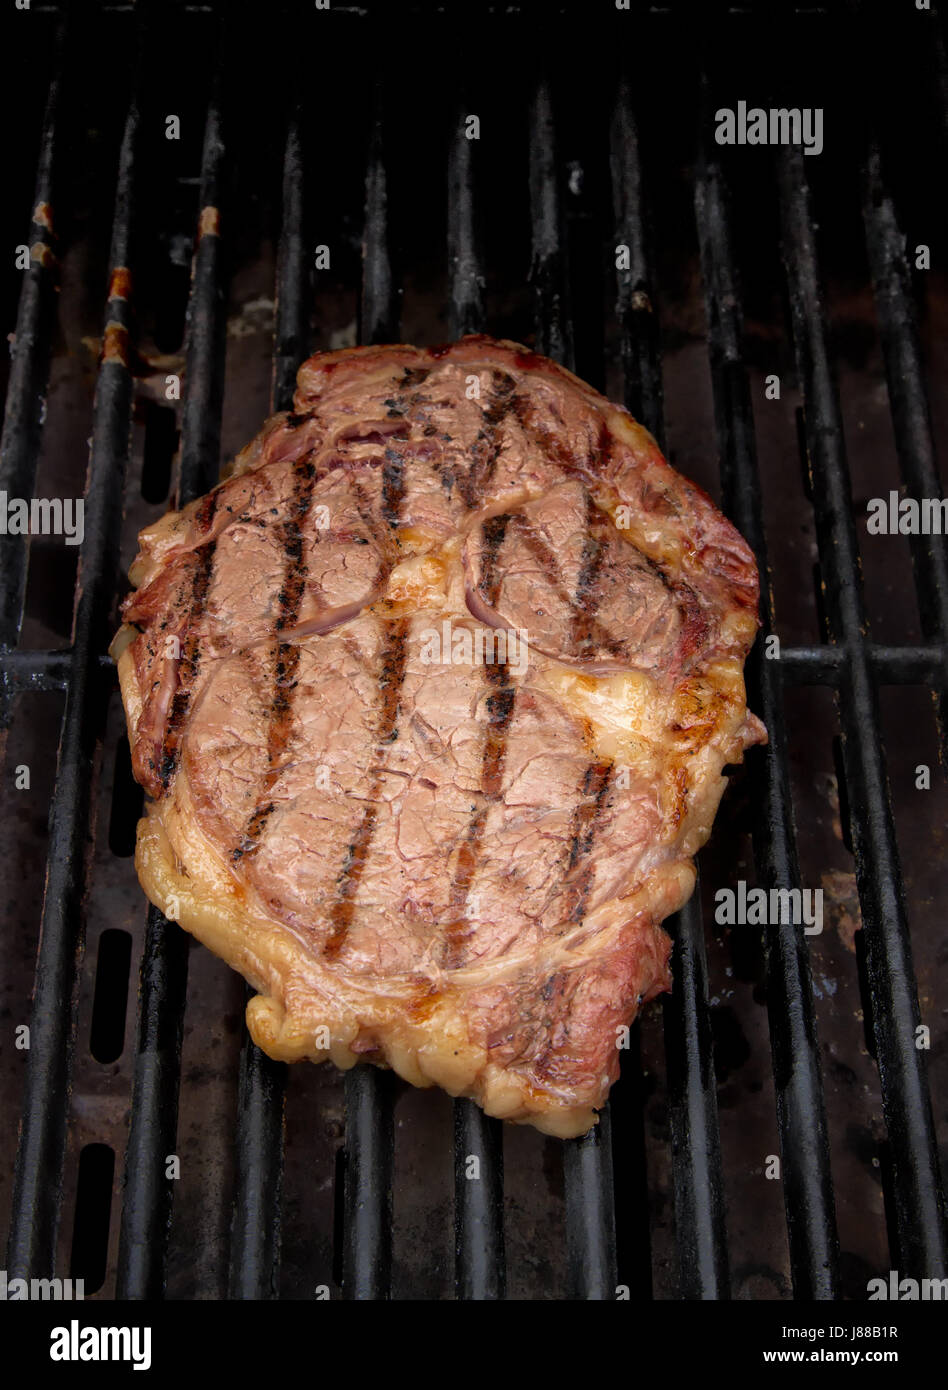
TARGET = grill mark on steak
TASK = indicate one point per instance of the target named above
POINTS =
(365, 509)
(393, 486)
(500, 707)
(286, 655)
(586, 629)
(414, 376)
(586, 599)
(586, 819)
(598, 775)
(364, 506)
(391, 679)
(191, 657)
(205, 512)
(499, 405)
(392, 675)
(582, 617)
(501, 400)
(605, 446)
(555, 995)
(586, 814)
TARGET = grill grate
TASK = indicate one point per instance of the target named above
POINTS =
(895, 1013)
(598, 1191)
(808, 1194)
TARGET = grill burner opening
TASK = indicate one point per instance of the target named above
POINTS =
(202, 214)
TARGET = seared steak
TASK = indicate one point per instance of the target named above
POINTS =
(431, 698)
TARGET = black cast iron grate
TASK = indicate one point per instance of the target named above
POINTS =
(848, 662)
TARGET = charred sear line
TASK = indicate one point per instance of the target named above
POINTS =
(586, 820)
(191, 655)
(251, 839)
(393, 486)
(456, 927)
(605, 444)
(499, 404)
(286, 664)
(391, 680)
(500, 708)
(586, 598)
(585, 628)
(364, 506)
(501, 399)
(493, 532)
(557, 993)
(414, 376)
(205, 512)
(595, 786)
(347, 881)
(286, 658)
(294, 578)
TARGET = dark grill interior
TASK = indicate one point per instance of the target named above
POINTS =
(302, 129)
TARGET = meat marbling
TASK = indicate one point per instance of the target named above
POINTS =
(431, 698)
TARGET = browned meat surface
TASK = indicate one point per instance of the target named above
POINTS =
(431, 698)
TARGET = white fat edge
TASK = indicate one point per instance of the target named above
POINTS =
(627, 711)
(434, 580)
(128, 676)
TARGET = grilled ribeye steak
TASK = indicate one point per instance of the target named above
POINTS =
(431, 698)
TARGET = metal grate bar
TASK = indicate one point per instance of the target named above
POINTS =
(590, 1213)
(206, 325)
(29, 361)
(369, 1152)
(935, 38)
(153, 1125)
(902, 665)
(700, 1229)
(696, 1145)
(255, 1233)
(801, 1114)
(380, 299)
(587, 1162)
(910, 414)
(40, 1156)
(34, 670)
(367, 1235)
(890, 665)
(907, 665)
(548, 261)
(893, 1002)
(466, 313)
(291, 342)
(255, 1238)
(480, 1266)
(147, 1203)
(639, 346)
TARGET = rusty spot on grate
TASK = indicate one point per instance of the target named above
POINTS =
(120, 283)
(209, 223)
(115, 343)
(43, 255)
